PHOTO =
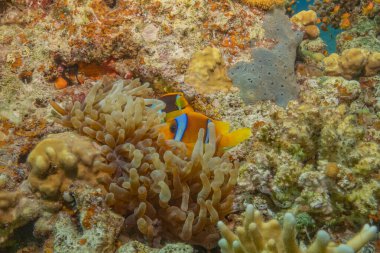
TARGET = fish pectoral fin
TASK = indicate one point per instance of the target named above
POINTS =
(234, 138)
(222, 127)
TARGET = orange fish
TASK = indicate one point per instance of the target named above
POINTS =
(176, 104)
(183, 124)
(186, 126)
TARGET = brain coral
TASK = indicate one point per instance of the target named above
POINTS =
(161, 192)
(270, 75)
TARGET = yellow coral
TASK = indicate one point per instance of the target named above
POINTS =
(264, 4)
(207, 71)
(353, 61)
(257, 236)
(332, 65)
(373, 65)
(308, 20)
(305, 18)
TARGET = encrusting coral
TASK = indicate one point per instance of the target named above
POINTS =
(155, 186)
(264, 4)
(62, 158)
(352, 62)
(16, 210)
(255, 235)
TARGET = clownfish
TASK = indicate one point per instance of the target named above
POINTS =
(183, 124)
(176, 104)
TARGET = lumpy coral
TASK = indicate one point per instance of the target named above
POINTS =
(16, 210)
(352, 63)
(160, 191)
(256, 235)
(62, 158)
(307, 20)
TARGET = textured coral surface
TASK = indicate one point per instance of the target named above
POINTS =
(83, 167)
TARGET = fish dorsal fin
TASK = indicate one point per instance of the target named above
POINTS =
(222, 127)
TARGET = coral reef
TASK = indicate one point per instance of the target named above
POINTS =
(270, 75)
(255, 235)
(342, 14)
(114, 178)
(352, 63)
(207, 71)
(312, 157)
(155, 186)
(62, 158)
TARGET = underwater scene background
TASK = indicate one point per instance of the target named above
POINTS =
(233, 126)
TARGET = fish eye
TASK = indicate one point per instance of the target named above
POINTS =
(173, 127)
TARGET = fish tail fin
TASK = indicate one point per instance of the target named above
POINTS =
(234, 138)
(222, 127)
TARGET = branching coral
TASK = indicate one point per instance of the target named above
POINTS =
(255, 235)
(159, 190)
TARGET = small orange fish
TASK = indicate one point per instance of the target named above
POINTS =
(186, 126)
